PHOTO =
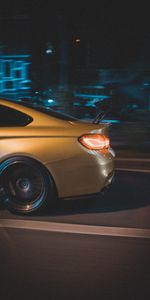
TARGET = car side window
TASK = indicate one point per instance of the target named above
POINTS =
(10, 117)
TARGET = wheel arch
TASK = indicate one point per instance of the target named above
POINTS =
(25, 156)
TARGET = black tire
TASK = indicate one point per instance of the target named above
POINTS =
(26, 184)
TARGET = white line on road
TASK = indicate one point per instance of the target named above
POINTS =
(76, 229)
(133, 159)
(133, 170)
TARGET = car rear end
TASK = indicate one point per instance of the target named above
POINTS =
(95, 143)
(83, 162)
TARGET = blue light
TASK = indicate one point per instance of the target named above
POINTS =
(76, 104)
(93, 87)
(110, 121)
(50, 100)
(91, 96)
(14, 73)
(49, 51)
(146, 84)
(14, 56)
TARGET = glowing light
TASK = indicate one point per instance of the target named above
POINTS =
(91, 96)
(49, 48)
(77, 104)
(14, 73)
(49, 51)
(78, 40)
(146, 84)
(95, 141)
(50, 100)
(14, 56)
(110, 121)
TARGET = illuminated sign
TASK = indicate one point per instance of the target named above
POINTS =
(14, 73)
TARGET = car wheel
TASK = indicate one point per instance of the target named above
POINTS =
(26, 184)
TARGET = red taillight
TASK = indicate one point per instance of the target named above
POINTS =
(95, 141)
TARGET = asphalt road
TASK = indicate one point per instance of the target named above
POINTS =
(43, 265)
(97, 248)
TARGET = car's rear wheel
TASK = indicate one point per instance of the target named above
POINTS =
(26, 184)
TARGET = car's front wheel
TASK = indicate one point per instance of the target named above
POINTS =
(26, 184)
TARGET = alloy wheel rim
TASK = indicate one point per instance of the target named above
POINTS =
(25, 183)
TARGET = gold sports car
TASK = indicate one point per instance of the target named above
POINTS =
(46, 155)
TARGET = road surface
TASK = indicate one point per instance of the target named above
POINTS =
(97, 248)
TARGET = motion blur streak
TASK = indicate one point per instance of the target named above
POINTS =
(133, 170)
(76, 229)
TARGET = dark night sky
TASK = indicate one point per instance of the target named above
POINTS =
(121, 34)
(105, 13)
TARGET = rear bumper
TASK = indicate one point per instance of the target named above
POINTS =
(83, 173)
(109, 182)
(93, 195)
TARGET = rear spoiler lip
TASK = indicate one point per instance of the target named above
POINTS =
(99, 117)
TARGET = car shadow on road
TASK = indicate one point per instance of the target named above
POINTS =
(129, 191)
